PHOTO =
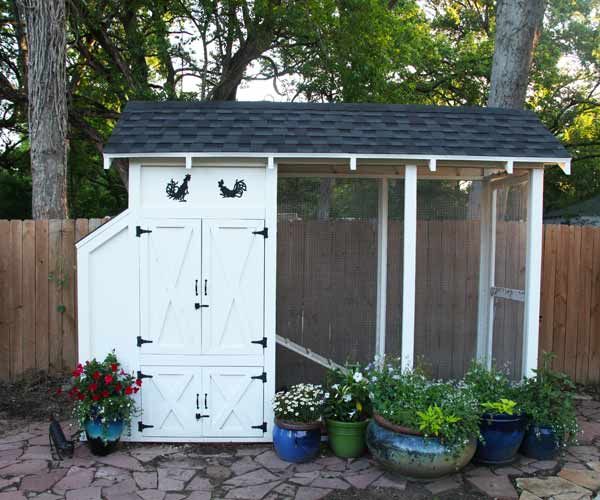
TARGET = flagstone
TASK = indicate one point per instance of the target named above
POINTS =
(76, 479)
(270, 460)
(5, 483)
(494, 486)
(42, 439)
(528, 496)
(550, 486)
(304, 478)
(443, 485)
(251, 478)
(42, 482)
(37, 453)
(251, 451)
(309, 493)
(360, 464)
(330, 483)
(218, 472)
(11, 446)
(307, 467)
(363, 480)
(173, 479)
(122, 461)
(255, 492)
(588, 479)
(390, 482)
(174, 496)
(23, 468)
(149, 453)
(200, 484)
(47, 496)
(11, 454)
(91, 493)
(245, 464)
(12, 495)
(146, 480)
(113, 474)
(199, 495)
(151, 494)
(286, 489)
(121, 488)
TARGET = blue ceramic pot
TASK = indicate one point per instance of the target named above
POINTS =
(539, 443)
(296, 442)
(415, 456)
(502, 434)
(100, 440)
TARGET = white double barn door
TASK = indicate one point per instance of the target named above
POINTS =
(202, 311)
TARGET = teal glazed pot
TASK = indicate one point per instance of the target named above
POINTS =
(103, 441)
(415, 456)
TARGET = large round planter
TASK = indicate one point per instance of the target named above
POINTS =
(296, 442)
(414, 456)
(502, 436)
(103, 441)
(347, 439)
(539, 443)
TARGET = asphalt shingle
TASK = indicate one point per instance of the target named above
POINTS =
(276, 127)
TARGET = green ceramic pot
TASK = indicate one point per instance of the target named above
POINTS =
(347, 439)
(415, 456)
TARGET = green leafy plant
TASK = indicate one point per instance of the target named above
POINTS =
(302, 403)
(502, 407)
(493, 390)
(444, 410)
(103, 391)
(346, 398)
(547, 399)
(433, 420)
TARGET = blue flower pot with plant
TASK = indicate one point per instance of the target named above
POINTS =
(297, 429)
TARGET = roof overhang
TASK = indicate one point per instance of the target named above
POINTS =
(432, 161)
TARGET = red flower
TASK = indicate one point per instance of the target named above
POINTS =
(113, 367)
(138, 382)
(76, 373)
(95, 397)
(105, 394)
(59, 391)
(136, 389)
(128, 390)
(108, 379)
(96, 375)
(118, 387)
(80, 396)
(92, 387)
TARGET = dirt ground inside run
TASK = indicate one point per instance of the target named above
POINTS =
(254, 472)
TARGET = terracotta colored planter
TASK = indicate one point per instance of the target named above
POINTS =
(386, 424)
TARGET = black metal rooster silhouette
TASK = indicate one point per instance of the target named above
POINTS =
(177, 192)
(238, 189)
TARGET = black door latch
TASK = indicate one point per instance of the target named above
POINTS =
(199, 416)
(197, 305)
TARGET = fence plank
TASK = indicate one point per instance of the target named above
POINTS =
(560, 298)
(5, 265)
(28, 296)
(16, 298)
(41, 295)
(585, 298)
(594, 360)
(548, 286)
(55, 273)
(69, 332)
(574, 260)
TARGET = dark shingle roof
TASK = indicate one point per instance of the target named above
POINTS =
(276, 127)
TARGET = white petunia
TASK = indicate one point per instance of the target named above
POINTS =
(358, 377)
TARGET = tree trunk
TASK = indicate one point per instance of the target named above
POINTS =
(325, 191)
(518, 27)
(47, 101)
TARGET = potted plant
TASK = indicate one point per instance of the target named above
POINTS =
(346, 409)
(502, 421)
(297, 429)
(104, 406)
(547, 399)
(420, 428)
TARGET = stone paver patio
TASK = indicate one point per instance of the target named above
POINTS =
(211, 472)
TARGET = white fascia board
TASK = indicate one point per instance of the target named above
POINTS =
(102, 229)
(433, 164)
(426, 158)
(353, 163)
(565, 166)
(107, 160)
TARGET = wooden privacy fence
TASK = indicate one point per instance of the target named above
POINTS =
(326, 294)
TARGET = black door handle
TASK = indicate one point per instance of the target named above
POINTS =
(197, 305)
(199, 416)
(205, 403)
(196, 288)
(197, 401)
(205, 286)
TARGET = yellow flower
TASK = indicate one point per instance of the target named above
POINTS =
(359, 406)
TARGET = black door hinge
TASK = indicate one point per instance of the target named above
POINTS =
(197, 305)
(262, 376)
(262, 342)
(264, 232)
(141, 341)
(141, 375)
(199, 416)
(139, 231)
(262, 427)
(142, 426)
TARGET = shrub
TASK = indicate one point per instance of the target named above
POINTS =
(493, 390)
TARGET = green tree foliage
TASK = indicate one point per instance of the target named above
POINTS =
(400, 51)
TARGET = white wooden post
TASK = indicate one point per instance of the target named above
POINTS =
(487, 264)
(409, 267)
(382, 244)
(270, 288)
(533, 270)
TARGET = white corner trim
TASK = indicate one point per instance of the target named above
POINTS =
(270, 163)
(565, 166)
(353, 163)
(382, 251)
(188, 162)
(509, 166)
(107, 159)
(432, 165)
(107, 226)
